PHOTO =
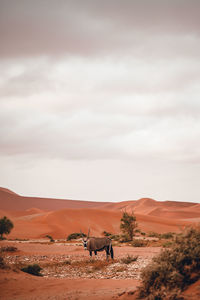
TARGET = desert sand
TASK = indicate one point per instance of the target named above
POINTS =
(34, 218)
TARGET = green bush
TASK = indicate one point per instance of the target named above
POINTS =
(33, 269)
(74, 236)
(174, 269)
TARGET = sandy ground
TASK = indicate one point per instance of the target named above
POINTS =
(68, 273)
(20, 285)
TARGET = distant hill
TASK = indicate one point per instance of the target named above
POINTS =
(11, 201)
(35, 217)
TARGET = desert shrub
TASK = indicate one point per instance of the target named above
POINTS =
(33, 269)
(92, 264)
(50, 237)
(75, 235)
(167, 244)
(167, 235)
(2, 263)
(6, 226)
(129, 259)
(124, 238)
(139, 243)
(120, 269)
(153, 234)
(105, 233)
(8, 249)
(174, 269)
(143, 233)
(115, 237)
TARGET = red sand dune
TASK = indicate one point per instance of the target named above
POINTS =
(36, 217)
(12, 201)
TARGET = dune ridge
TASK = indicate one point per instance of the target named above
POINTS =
(36, 217)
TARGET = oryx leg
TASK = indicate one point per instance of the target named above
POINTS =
(90, 253)
(107, 252)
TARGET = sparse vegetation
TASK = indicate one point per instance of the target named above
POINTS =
(32, 269)
(124, 238)
(174, 269)
(6, 226)
(120, 269)
(105, 233)
(143, 233)
(167, 235)
(114, 237)
(2, 263)
(129, 259)
(139, 243)
(50, 238)
(75, 235)
(128, 225)
(153, 234)
(8, 249)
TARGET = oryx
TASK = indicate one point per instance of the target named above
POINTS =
(98, 244)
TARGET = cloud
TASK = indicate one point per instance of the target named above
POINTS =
(88, 135)
(90, 80)
(93, 28)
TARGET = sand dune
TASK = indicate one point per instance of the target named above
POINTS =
(12, 201)
(36, 217)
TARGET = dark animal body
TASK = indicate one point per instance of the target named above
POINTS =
(95, 244)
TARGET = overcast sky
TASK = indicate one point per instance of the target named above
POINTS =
(99, 100)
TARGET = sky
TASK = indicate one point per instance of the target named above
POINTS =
(99, 100)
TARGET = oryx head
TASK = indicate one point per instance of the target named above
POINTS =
(85, 239)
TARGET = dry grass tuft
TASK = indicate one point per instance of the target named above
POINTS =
(129, 259)
(8, 249)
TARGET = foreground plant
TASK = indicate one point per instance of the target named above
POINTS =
(174, 269)
(33, 269)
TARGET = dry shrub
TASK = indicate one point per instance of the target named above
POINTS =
(75, 236)
(120, 269)
(95, 264)
(174, 269)
(129, 259)
(100, 265)
(139, 243)
(2, 263)
(8, 249)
